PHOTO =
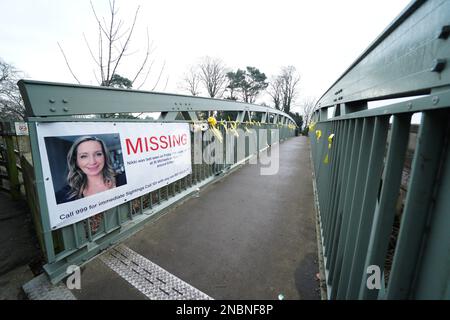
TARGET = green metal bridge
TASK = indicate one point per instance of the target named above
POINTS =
(362, 204)
(358, 190)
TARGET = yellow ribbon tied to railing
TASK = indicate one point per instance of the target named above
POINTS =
(224, 124)
(318, 134)
(233, 128)
(330, 141)
(213, 127)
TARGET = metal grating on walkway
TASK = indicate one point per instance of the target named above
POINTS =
(150, 279)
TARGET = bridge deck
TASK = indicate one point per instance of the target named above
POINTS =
(247, 236)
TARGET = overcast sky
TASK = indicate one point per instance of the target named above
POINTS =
(321, 38)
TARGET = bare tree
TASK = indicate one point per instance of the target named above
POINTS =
(284, 88)
(191, 81)
(213, 76)
(11, 103)
(290, 80)
(113, 47)
(275, 91)
(308, 105)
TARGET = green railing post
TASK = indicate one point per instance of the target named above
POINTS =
(359, 199)
(338, 220)
(368, 206)
(336, 263)
(419, 200)
(385, 211)
(356, 205)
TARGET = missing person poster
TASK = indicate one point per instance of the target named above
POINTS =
(89, 167)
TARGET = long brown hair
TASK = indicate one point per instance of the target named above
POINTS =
(76, 178)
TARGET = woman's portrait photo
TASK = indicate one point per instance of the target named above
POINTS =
(82, 166)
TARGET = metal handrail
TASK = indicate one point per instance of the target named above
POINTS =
(54, 102)
(377, 244)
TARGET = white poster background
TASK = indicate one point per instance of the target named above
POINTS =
(21, 128)
(145, 171)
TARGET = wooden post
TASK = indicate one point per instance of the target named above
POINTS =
(11, 166)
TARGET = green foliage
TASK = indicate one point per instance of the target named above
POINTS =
(235, 82)
(117, 81)
(247, 83)
(297, 118)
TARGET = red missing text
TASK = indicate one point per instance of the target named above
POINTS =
(154, 143)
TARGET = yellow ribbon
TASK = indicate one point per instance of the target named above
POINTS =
(318, 134)
(330, 141)
(212, 123)
(233, 128)
(224, 124)
(312, 126)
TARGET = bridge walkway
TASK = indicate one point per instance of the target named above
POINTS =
(247, 236)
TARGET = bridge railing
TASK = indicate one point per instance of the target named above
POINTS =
(258, 126)
(384, 211)
(13, 145)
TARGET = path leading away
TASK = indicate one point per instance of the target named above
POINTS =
(246, 236)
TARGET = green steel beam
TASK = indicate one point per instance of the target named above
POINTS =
(438, 99)
(419, 199)
(435, 265)
(337, 257)
(40, 191)
(373, 179)
(343, 137)
(332, 155)
(335, 162)
(384, 214)
(402, 60)
(357, 197)
(57, 99)
(345, 178)
(356, 205)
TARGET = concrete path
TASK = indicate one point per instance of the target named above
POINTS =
(247, 236)
(18, 247)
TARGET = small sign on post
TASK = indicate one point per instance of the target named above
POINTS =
(21, 128)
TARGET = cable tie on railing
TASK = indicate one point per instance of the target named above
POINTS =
(196, 127)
